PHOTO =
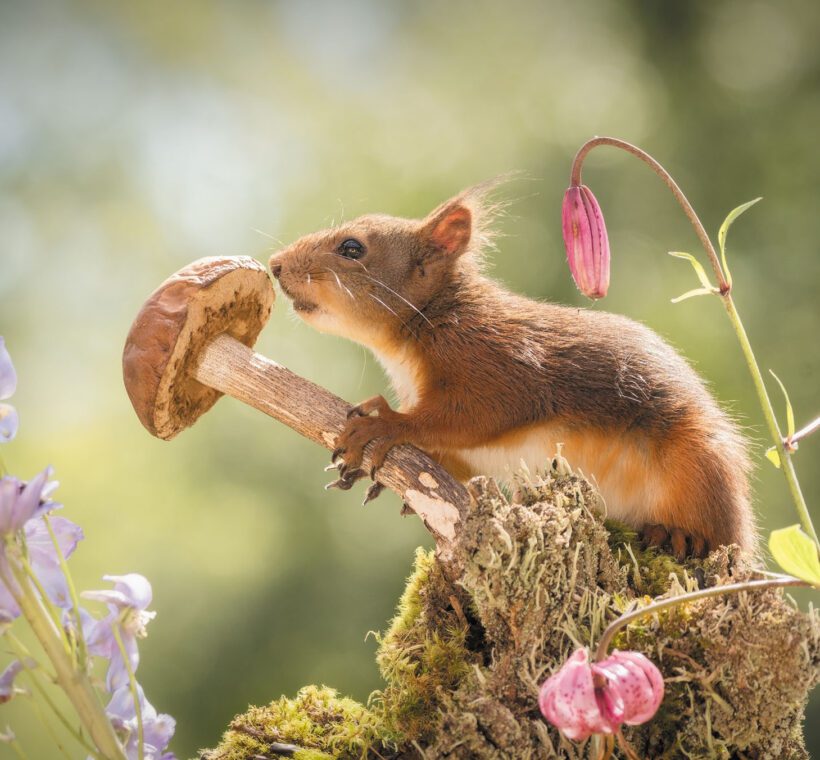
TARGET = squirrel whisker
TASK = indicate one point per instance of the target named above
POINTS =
(398, 295)
(339, 283)
(406, 326)
(268, 235)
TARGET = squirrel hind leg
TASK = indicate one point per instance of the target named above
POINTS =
(704, 499)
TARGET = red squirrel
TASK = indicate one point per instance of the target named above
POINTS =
(487, 378)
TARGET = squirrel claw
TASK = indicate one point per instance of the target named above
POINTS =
(654, 536)
(678, 544)
(341, 484)
(346, 481)
(360, 410)
(681, 543)
(337, 452)
(372, 492)
(700, 547)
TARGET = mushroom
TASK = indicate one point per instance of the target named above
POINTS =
(192, 342)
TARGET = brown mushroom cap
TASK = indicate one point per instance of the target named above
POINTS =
(211, 296)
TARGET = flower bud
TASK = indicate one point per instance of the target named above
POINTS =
(585, 698)
(586, 241)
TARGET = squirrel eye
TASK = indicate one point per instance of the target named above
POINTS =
(351, 249)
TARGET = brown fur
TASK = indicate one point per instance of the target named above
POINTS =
(485, 375)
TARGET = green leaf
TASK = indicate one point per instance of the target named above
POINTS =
(796, 553)
(696, 265)
(724, 229)
(773, 456)
(695, 292)
(789, 410)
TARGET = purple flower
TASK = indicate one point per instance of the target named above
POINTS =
(157, 728)
(126, 604)
(8, 384)
(585, 698)
(7, 690)
(21, 502)
(43, 556)
(586, 241)
(21, 505)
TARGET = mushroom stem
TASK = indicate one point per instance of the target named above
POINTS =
(426, 488)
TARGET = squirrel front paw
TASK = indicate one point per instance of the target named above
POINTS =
(372, 421)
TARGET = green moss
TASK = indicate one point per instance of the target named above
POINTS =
(424, 652)
(318, 722)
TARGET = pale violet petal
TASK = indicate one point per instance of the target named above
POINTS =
(8, 607)
(117, 675)
(9, 422)
(99, 636)
(159, 730)
(9, 491)
(8, 377)
(40, 544)
(29, 499)
(135, 587)
(121, 704)
(7, 680)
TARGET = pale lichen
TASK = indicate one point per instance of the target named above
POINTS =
(542, 575)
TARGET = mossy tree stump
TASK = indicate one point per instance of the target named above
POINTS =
(542, 574)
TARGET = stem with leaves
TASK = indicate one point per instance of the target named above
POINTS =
(724, 290)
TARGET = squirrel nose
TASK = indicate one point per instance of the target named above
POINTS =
(276, 270)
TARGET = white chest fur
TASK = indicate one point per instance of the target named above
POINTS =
(400, 368)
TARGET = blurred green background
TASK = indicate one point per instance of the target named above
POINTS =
(136, 137)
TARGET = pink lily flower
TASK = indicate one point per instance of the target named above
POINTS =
(585, 698)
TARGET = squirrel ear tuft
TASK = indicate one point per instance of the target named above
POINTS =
(450, 228)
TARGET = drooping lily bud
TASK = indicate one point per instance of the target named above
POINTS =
(585, 698)
(586, 241)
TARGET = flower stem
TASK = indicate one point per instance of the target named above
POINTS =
(75, 684)
(732, 588)
(45, 601)
(72, 591)
(575, 179)
(791, 442)
(49, 730)
(786, 463)
(132, 682)
(24, 655)
(15, 745)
